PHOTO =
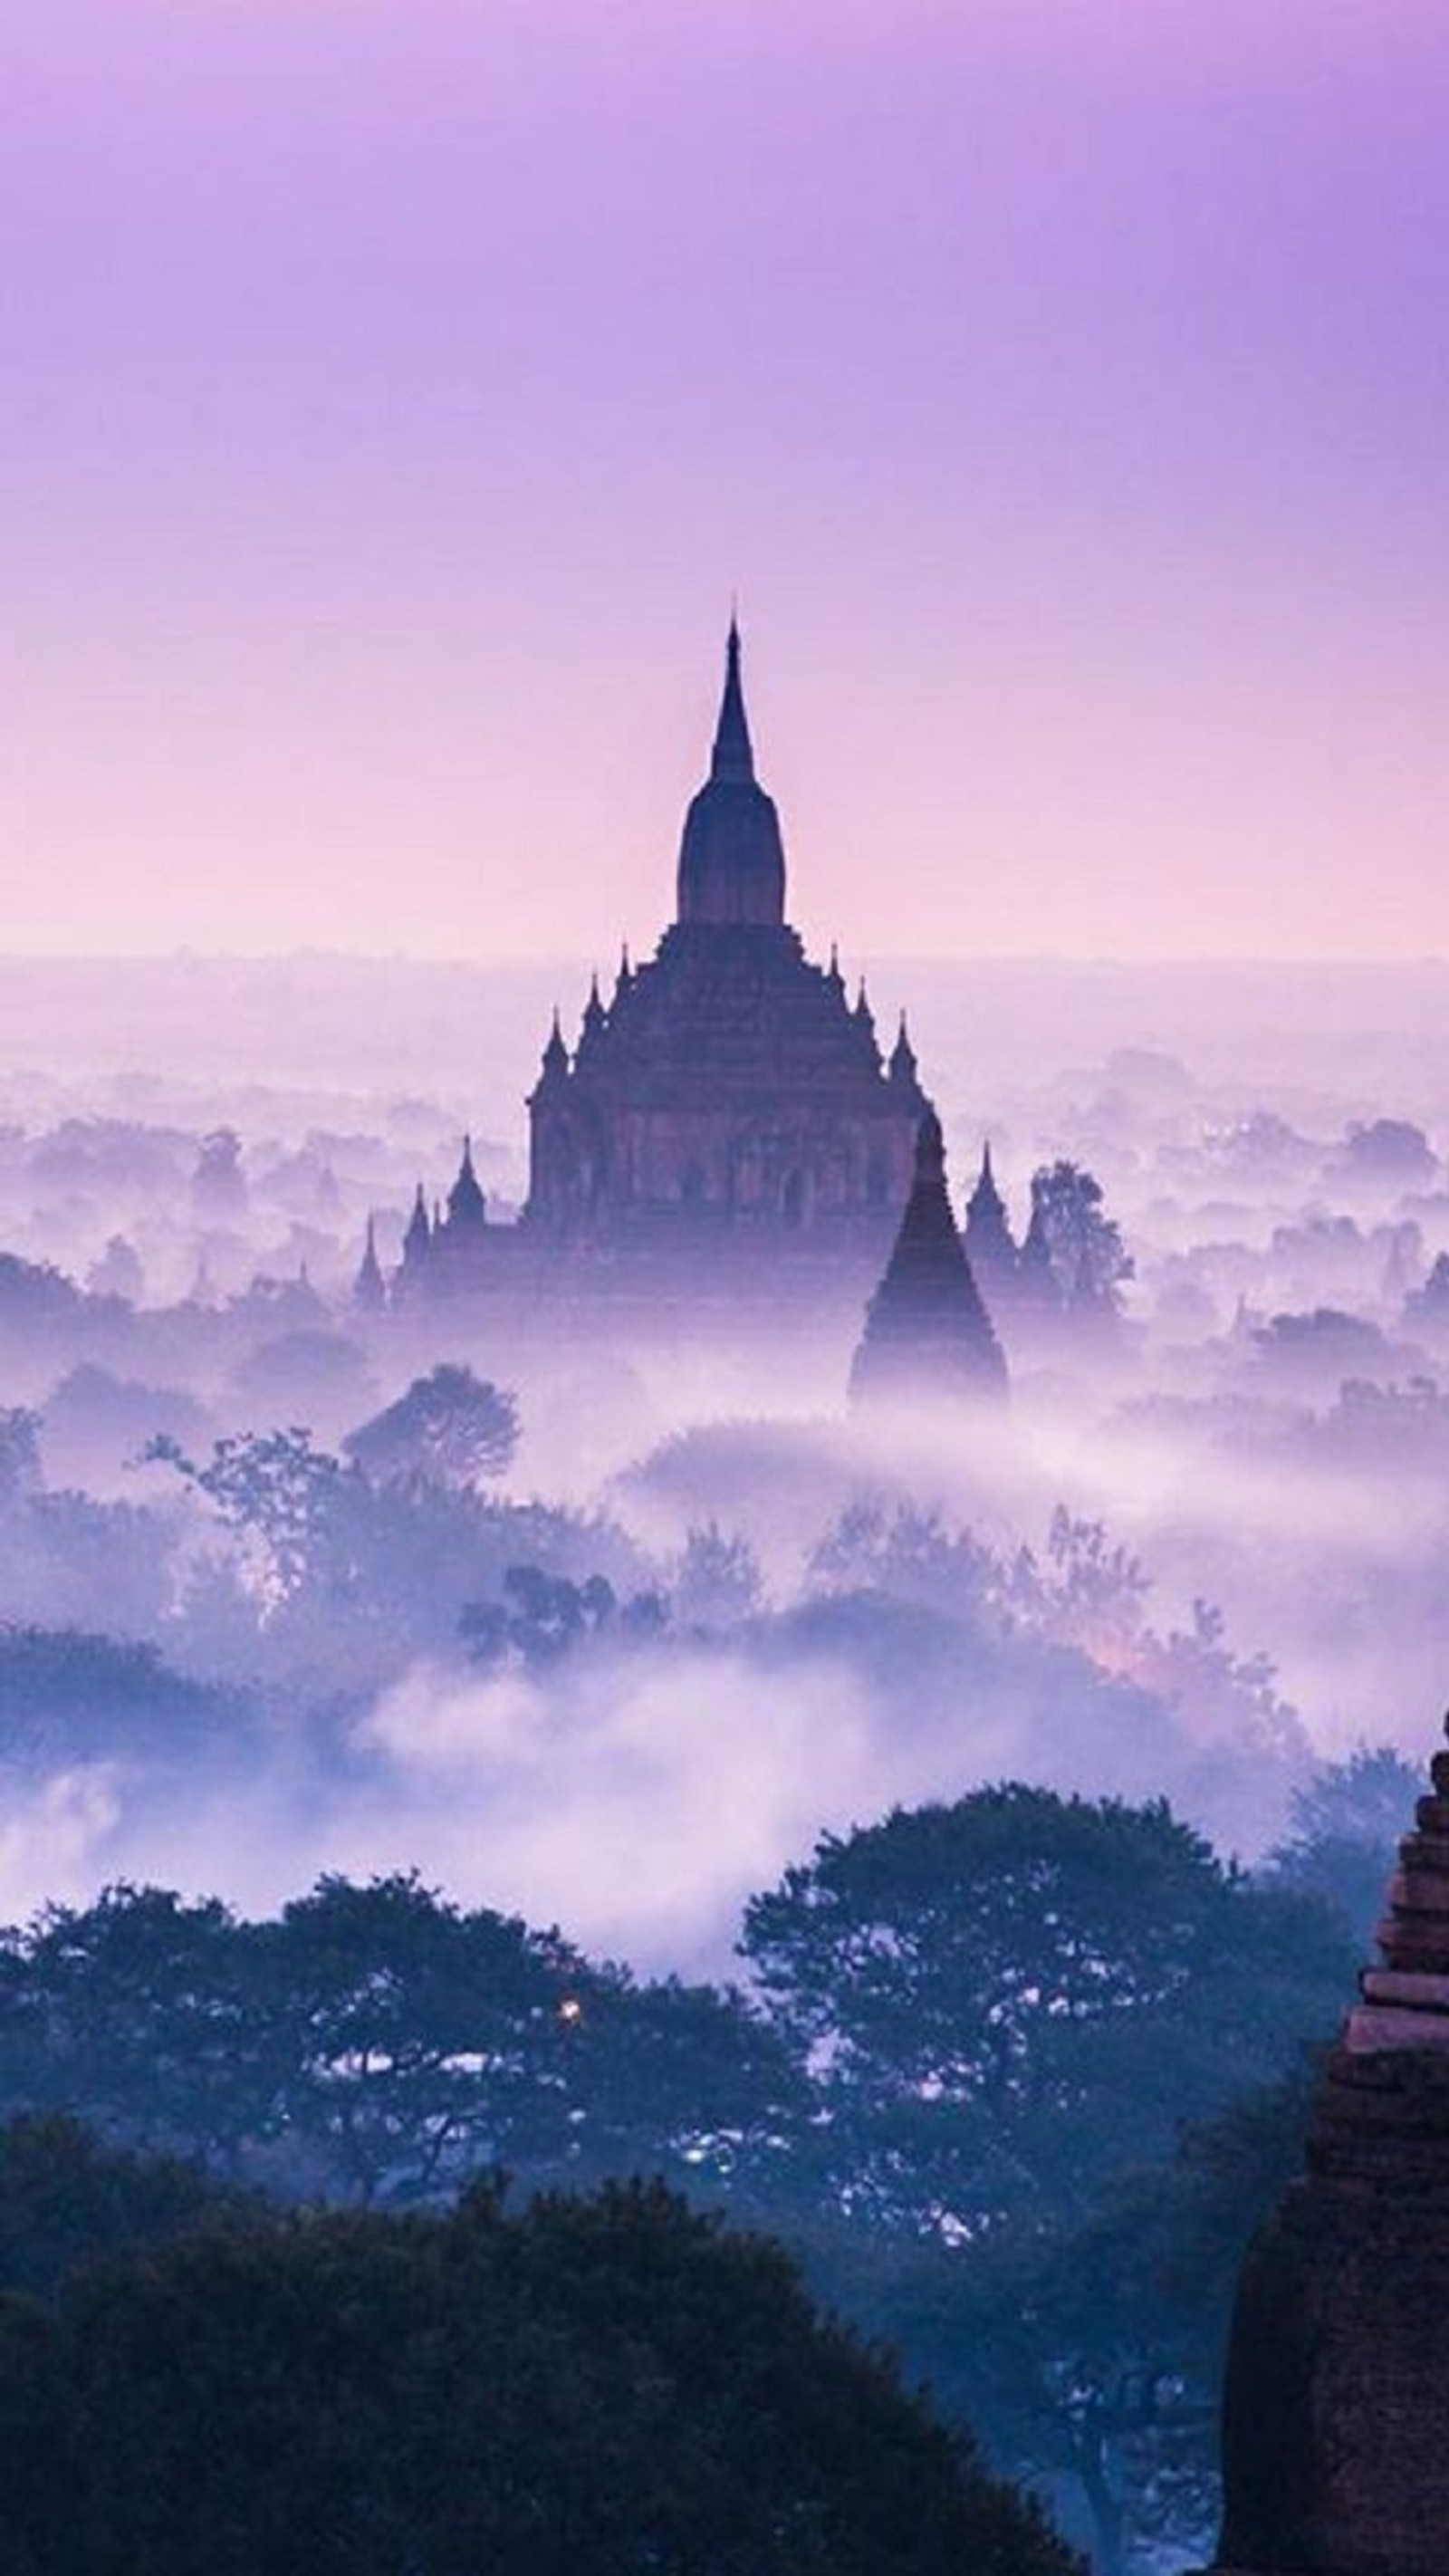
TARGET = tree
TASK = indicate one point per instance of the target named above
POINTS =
(715, 1582)
(64, 1553)
(976, 1982)
(143, 2014)
(1073, 1255)
(544, 1616)
(218, 1184)
(1345, 1824)
(276, 1493)
(34, 1294)
(692, 2083)
(592, 2388)
(421, 2044)
(907, 1553)
(65, 2200)
(1388, 1149)
(310, 1372)
(377, 2045)
(449, 1428)
(96, 1424)
(1088, 2352)
(19, 1454)
(64, 1693)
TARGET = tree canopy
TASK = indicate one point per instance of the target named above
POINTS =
(449, 1428)
(592, 2388)
(980, 1982)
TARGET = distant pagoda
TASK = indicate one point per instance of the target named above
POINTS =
(1336, 2417)
(370, 1288)
(447, 1252)
(729, 1093)
(990, 1244)
(927, 1334)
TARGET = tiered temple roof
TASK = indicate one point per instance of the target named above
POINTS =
(728, 1088)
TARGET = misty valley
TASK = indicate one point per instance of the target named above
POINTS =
(544, 1732)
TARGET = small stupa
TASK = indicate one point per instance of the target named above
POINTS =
(370, 1288)
(1336, 2410)
(990, 1247)
(927, 1334)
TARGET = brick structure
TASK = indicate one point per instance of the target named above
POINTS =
(728, 1095)
(1336, 2413)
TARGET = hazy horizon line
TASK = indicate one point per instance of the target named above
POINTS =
(540, 961)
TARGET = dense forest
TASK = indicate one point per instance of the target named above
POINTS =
(192, 2382)
(457, 1773)
(1013, 2077)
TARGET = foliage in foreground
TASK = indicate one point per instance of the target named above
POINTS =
(592, 2388)
(959, 2090)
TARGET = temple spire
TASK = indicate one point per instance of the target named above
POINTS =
(418, 1239)
(731, 858)
(369, 1287)
(927, 1334)
(732, 760)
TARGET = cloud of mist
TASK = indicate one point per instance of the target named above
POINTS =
(636, 1798)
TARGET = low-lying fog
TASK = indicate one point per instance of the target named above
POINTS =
(624, 1676)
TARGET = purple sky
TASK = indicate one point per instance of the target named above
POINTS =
(395, 391)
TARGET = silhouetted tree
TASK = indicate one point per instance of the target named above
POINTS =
(421, 2044)
(544, 1616)
(449, 1428)
(1389, 1149)
(1073, 1255)
(1344, 1828)
(67, 2201)
(978, 1982)
(715, 1582)
(218, 1184)
(593, 2388)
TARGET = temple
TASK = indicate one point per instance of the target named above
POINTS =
(927, 1334)
(728, 1094)
(450, 1250)
(990, 1245)
(1336, 2412)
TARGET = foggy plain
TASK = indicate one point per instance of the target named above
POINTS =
(1199, 1551)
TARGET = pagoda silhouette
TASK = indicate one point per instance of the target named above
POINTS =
(729, 1094)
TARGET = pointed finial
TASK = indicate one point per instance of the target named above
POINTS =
(555, 1054)
(903, 1056)
(368, 1286)
(733, 759)
(418, 1235)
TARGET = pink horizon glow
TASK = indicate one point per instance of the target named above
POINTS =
(397, 396)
